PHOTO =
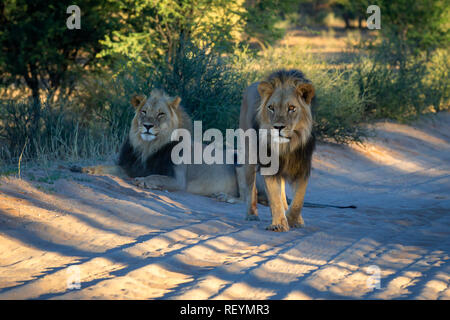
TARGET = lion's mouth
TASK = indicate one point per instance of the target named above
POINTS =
(281, 139)
(148, 136)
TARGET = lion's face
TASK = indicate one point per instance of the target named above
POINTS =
(287, 109)
(155, 117)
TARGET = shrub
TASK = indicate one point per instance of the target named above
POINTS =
(438, 80)
(406, 89)
(209, 85)
(406, 74)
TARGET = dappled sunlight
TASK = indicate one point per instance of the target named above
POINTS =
(282, 272)
(20, 262)
(56, 282)
(163, 244)
(130, 243)
(205, 288)
(243, 290)
(437, 289)
(59, 227)
(147, 282)
(414, 133)
(388, 157)
(75, 225)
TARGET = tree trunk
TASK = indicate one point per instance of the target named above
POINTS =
(35, 113)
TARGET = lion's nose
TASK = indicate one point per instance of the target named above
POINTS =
(279, 128)
(148, 126)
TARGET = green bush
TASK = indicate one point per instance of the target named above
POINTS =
(438, 80)
(209, 85)
(403, 88)
(406, 71)
(210, 88)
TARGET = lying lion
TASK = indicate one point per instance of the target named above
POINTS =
(146, 153)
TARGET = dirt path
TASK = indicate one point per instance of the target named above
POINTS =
(122, 242)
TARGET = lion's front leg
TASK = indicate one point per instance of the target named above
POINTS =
(294, 213)
(273, 190)
(160, 182)
(283, 194)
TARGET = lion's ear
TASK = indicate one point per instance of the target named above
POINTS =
(137, 100)
(306, 91)
(175, 102)
(265, 89)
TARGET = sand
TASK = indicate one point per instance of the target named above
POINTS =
(72, 236)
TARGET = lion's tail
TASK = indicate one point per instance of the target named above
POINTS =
(113, 170)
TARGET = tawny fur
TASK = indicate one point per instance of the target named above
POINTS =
(282, 101)
(164, 114)
(158, 102)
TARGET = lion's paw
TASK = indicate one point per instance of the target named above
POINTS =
(145, 184)
(295, 222)
(279, 227)
(223, 197)
(297, 225)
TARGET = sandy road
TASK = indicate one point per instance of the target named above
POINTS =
(122, 242)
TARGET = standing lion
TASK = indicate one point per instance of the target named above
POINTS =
(281, 102)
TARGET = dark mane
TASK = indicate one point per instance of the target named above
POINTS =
(297, 164)
(158, 163)
(284, 76)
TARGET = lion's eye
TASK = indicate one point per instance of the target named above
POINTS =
(270, 108)
(291, 108)
(162, 114)
(143, 112)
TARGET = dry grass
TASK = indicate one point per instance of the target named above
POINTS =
(334, 46)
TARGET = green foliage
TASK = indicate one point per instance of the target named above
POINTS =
(39, 51)
(151, 29)
(416, 26)
(339, 107)
(313, 12)
(406, 92)
(350, 9)
(393, 93)
(438, 80)
(210, 87)
(262, 18)
(404, 75)
(37, 47)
